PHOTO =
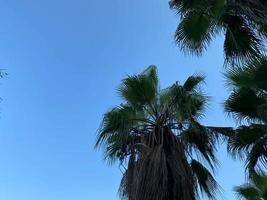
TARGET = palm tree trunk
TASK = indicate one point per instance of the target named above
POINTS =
(162, 171)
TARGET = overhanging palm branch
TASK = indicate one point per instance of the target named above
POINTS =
(156, 135)
(243, 23)
(195, 33)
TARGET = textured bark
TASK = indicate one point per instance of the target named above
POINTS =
(161, 172)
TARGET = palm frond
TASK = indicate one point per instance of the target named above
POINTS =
(254, 190)
(194, 33)
(242, 22)
(118, 120)
(241, 43)
(182, 104)
(117, 132)
(192, 82)
(254, 10)
(211, 7)
(252, 75)
(221, 132)
(245, 137)
(119, 146)
(262, 111)
(243, 104)
(257, 155)
(201, 142)
(140, 90)
(247, 192)
(260, 181)
(207, 184)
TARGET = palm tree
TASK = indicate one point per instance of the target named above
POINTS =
(242, 22)
(248, 102)
(256, 190)
(156, 136)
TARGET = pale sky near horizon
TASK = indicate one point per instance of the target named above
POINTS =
(65, 60)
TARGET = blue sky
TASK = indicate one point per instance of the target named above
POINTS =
(65, 60)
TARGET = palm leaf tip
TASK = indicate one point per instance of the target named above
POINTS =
(241, 43)
(193, 81)
(140, 89)
(207, 184)
(194, 33)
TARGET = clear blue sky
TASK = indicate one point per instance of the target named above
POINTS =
(65, 59)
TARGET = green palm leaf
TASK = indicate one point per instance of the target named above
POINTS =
(241, 44)
(207, 184)
(247, 192)
(243, 104)
(251, 75)
(194, 33)
(256, 189)
(140, 90)
(243, 24)
(193, 82)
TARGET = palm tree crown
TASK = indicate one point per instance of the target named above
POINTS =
(242, 22)
(156, 134)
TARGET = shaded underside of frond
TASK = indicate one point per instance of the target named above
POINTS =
(252, 75)
(199, 141)
(206, 183)
(241, 43)
(195, 33)
(243, 104)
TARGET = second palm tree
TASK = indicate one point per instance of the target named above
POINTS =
(155, 133)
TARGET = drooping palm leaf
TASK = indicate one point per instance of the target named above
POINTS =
(200, 141)
(241, 44)
(243, 104)
(205, 180)
(251, 75)
(194, 33)
(192, 82)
